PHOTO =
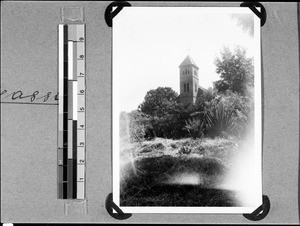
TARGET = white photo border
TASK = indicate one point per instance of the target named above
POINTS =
(257, 128)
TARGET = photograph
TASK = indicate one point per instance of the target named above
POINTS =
(186, 110)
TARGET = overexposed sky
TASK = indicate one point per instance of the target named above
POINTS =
(149, 43)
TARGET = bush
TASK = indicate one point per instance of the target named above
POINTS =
(222, 121)
(204, 101)
(223, 114)
(235, 111)
(171, 124)
(214, 114)
(195, 127)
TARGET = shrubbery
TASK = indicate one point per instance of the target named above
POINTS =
(225, 110)
(222, 114)
(227, 114)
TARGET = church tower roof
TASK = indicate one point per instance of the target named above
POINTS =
(188, 61)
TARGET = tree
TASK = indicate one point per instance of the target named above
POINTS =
(204, 101)
(166, 116)
(230, 113)
(158, 102)
(236, 71)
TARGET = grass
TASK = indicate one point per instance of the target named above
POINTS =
(185, 172)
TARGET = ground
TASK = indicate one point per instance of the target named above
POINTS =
(185, 172)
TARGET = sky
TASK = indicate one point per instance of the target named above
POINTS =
(149, 43)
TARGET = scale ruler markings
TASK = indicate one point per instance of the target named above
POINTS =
(71, 112)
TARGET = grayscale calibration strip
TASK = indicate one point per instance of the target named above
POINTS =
(71, 112)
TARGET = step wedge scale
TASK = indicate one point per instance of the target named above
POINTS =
(71, 112)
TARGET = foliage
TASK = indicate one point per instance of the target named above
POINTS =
(216, 114)
(221, 114)
(157, 102)
(240, 108)
(222, 121)
(225, 110)
(204, 101)
(195, 127)
(198, 124)
(169, 125)
(167, 119)
(236, 71)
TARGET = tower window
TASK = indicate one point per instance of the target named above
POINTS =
(195, 72)
(184, 87)
(195, 88)
(187, 87)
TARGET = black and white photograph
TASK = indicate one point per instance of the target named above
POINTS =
(186, 110)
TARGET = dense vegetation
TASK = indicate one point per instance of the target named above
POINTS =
(179, 155)
(222, 111)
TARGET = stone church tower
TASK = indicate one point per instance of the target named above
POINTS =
(189, 81)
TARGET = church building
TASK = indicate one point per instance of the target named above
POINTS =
(189, 81)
